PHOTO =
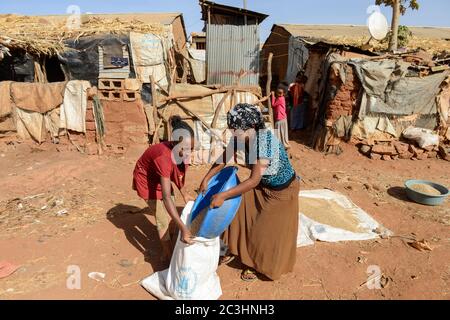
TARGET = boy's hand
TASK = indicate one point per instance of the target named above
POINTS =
(186, 236)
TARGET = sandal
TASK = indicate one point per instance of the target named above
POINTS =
(249, 275)
(226, 259)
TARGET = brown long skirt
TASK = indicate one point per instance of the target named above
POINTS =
(264, 231)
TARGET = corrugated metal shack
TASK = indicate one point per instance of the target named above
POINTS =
(232, 44)
(288, 43)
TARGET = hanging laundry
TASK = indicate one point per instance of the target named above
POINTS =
(73, 109)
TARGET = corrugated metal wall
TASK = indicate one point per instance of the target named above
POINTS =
(230, 49)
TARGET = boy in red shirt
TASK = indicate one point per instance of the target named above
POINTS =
(161, 165)
(280, 115)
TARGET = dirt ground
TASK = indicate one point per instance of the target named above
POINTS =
(60, 209)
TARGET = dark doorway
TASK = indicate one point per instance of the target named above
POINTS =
(53, 70)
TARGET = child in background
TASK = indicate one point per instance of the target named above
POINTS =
(299, 102)
(280, 115)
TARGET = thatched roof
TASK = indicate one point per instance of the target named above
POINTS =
(45, 35)
(431, 39)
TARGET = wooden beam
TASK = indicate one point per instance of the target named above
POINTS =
(185, 108)
(218, 108)
(194, 95)
(154, 102)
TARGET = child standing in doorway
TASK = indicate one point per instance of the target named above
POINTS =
(280, 115)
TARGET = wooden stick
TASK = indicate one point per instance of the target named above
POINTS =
(269, 85)
(218, 108)
(193, 95)
(185, 108)
(154, 101)
(241, 75)
(155, 136)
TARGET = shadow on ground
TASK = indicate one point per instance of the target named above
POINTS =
(139, 231)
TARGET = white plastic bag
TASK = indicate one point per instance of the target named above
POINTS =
(424, 137)
(192, 272)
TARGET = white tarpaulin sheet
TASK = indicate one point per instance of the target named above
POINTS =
(198, 64)
(73, 109)
(192, 271)
(148, 53)
(310, 230)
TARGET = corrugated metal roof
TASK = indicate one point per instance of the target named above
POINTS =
(217, 8)
(231, 49)
(324, 32)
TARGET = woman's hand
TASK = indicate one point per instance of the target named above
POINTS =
(187, 198)
(186, 236)
(203, 186)
(217, 200)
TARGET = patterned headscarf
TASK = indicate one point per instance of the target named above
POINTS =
(245, 116)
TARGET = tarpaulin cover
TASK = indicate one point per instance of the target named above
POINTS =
(148, 52)
(298, 55)
(37, 97)
(18, 67)
(198, 64)
(389, 91)
(30, 125)
(81, 62)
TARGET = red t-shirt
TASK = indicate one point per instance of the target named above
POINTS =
(157, 162)
(279, 108)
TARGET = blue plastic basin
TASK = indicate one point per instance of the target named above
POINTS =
(423, 198)
(218, 219)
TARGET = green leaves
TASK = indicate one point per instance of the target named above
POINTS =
(404, 4)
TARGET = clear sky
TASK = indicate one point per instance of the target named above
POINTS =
(432, 12)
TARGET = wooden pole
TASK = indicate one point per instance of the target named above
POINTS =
(185, 108)
(194, 95)
(218, 108)
(268, 87)
(154, 104)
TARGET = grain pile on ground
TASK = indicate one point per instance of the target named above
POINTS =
(198, 221)
(329, 212)
(425, 189)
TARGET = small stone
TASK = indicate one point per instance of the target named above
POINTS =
(432, 154)
(383, 149)
(365, 149)
(386, 157)
(125, 263)
(422, 156)
(406, 155)
(375, 156)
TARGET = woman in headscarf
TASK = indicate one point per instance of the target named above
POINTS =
(264, 231)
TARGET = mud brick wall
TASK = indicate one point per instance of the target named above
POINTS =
(344, 103)
(125, 122)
